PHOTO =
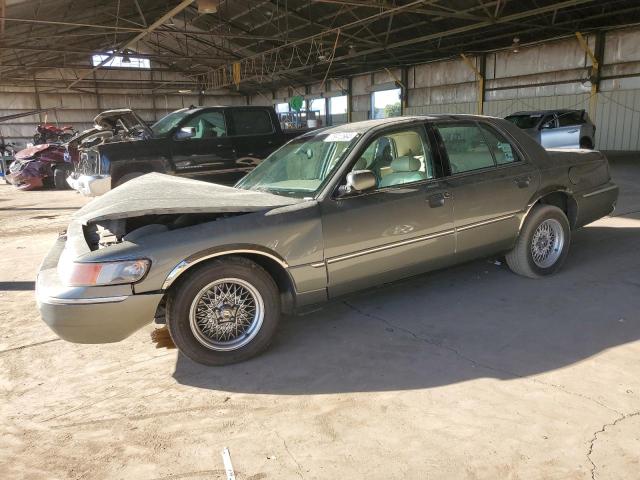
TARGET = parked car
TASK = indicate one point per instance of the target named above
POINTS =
(557, 128)
(226, 142)
(333, 211)
(38, 166)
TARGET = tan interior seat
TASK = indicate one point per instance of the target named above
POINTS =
(404, 169)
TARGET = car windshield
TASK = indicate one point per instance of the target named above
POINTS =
(299, 168)
(167, 123)
(525, 121)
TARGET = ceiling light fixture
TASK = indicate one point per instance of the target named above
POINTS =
(207, 6)
(125, 57)
(515, 46)
(184, 91)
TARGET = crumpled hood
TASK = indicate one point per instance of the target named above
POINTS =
(31, 152)
(159, 194)
(108, 120)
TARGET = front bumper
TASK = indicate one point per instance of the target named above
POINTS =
(90, 314)
(90, 185)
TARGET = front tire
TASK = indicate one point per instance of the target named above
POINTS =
(586, 143)
(224, 312)
(60, 179)
(543, 243)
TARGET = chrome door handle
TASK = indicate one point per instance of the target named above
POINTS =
(437, 199)
(573, 131)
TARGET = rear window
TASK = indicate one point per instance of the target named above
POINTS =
(525, 121)
(251, 122)
(466, 147)
(570, 118)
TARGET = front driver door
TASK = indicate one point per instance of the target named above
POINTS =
(210, 150)
(401, 228)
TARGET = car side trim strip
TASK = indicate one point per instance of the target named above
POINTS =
(189, 262)
(597, 192)
(389, 246)
(81, 301)
(486, 222)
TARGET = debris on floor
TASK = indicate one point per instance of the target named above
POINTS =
(228, 467)
(162, 339)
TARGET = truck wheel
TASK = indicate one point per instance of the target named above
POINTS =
(60, 179)
(224, 312)
(543, 243)
(128, 176)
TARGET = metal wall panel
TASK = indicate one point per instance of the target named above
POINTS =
(618, 120)
(456, 108)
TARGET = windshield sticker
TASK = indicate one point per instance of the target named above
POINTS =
(341, 137)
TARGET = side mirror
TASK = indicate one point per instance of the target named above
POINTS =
(547, 125)
(360, 181)
(186, 132)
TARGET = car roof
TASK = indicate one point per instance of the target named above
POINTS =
(366, 125)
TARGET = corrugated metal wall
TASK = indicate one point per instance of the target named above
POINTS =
(546, 76)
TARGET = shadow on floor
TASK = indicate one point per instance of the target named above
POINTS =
(475, 320)
(17, 286)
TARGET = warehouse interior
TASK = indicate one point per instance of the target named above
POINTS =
(493, 58)
(470, 372)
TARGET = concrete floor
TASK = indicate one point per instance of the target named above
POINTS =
(468, 373)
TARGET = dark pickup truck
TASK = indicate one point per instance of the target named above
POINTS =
(222, 142)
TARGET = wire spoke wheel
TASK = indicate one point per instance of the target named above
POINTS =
(226, 314)
(547, 243)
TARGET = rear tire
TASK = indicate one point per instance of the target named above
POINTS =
(543, 243)
(586, 143)
(60, 179)
(224, 312)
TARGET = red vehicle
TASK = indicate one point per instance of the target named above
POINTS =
(41, 165)
(48, 133)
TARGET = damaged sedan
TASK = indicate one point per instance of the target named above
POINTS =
(331, 212)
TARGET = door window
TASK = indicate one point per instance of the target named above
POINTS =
(208, 125)
(397, 158)
(501, 149)
(466, 147)
(570, 119)
(251, 122)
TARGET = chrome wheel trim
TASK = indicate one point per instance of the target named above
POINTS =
(547, 243)
(226, 314)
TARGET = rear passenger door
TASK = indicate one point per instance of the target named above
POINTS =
(491, 182)
(569, 124)
(254, 134)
